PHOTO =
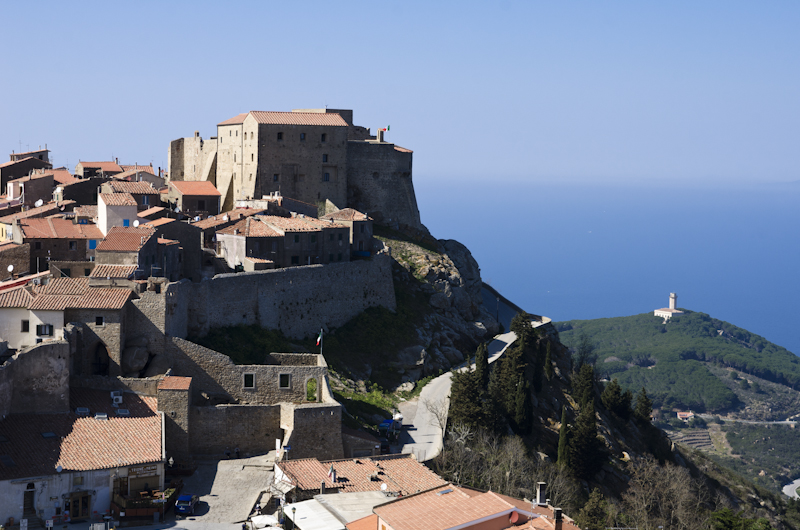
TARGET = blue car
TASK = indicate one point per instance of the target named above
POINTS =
(186, 504)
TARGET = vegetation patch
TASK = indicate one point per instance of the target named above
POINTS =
(245, 344)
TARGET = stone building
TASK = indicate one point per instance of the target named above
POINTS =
(15, 259)
(20, 167)
(128, 245)
(87, 170)
(57, 239)
(360, 225)
(143, 192)
(31, 189)
(194, 198)
(311, 155)
(7, 221)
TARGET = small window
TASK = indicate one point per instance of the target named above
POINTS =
(249, 380)
(326, 177)
(126, 222)
(302, 137)
(66, 272)
(275, 177)
(230, 133)
(37, 245)
(323, 137)
(251, 135)
(251, 176)
(295, 260)
(26, 326)
(285, 380)
(77, 481)
(44, 330)
(145, 200)
(92, 244)
(87, 272)
(252, 157)
(234, 157)
(280, 136)
(73, 245)
(324, 158)
(297, 238)
(237, 132)
(99, 321)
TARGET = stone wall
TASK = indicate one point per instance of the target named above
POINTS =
(110, 334)
(252, 429)
(18, 255)
(313, 430)
(136, 385)
(175, 406)
(297, 300)
(36, 380)
(379, 183)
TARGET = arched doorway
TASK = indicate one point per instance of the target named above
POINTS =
(101, 360)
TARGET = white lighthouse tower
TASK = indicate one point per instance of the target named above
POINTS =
(667, 312)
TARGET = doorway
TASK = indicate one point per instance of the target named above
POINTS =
(80, 505)
(28, 506)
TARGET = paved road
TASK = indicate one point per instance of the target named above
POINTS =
(421, 434)
(752, 422)
(790, 490)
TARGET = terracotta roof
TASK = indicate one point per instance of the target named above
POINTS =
(439, 509)
(82, 443)
(12, 162)
(400, 472)
(86, 211)
(289, 224)
(321, 224)
(172, 382)
(232, 215)
(402, 149)
(134, 168)
(348, 214)
(69, 286)
(298, 118)
(151, 211)
(369, 522)
(160, 221)
(138, 187)
(113, 271)
(61, 175)
(236, 120)
(58, 228)
(126, 238)
(250, 227)
(93, 298)
(17, 297)
(32, 176)
(163, 241)
(202, 187)
(106, 167)
(31, 152)
(118, 199)
(41, 211)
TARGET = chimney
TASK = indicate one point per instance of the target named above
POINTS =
(116, 160)
(557, 518)
(541, 493)
(380, 135)
(322, 487)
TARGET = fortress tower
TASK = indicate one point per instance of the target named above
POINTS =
(673, 301)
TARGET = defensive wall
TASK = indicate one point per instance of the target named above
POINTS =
(36, 380)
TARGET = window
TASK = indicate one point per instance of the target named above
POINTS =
(237, 132)
(73, 245)
(126, 222)
(326, 177)
(285, 381)
(26, 326)
(280, 136)
(251, 176)
(92, 244)
(297, 238)
(251, 135)
(295, 260)
(66, 273)
(145, 200)
(249, 380)
(302, 137)
(230, 133)
(275, 177)
(37, 245)
(252, 157)
(324, 158)
(323, 137)
(99, 321)
(45, 330)
(77, 481)
(234, 157)
(87, 272)
(201, 204)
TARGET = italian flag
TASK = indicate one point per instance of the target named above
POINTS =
(386, 128)
(319, 339)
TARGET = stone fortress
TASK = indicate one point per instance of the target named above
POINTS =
(317, 156)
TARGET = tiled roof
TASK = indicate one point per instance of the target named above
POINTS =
(93, 298)
(41, 211)
(216, 220)
(12, 162)
(126, 238)
(400, 473)
(369, 522)
(236, 120)
(160, 221)
(106, 167)
(139, 187)
(32, 176)
(289, 224)
(31, 152)
(118, 199)
(134, 168)
(439, 509)
(61, 175)
(201, 187)
(18, 297)
(172, 382)
(69, 286)
(58, 228)
(82, 443)
(298, 118)
(164, 241)
(348, 214)
(402, 149)
(250, 227)
(87, 211)
(113, 271)
(151, 211)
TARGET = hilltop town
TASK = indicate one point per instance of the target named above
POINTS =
(109, 270)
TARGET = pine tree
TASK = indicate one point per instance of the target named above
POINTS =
(583, 385)
(644, 407)
(493, 402)
(563, 440)
(615, 401)
(465, 400)
(522, 407)
(538, 367)
(594, 513)
(548, 363)
(584, 447)
(482, 365)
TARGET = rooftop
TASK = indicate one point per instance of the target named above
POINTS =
(226, 217)
(202, 187)
(126, 238)
(139, 187)
(118, 199)
(289, 224)
(16, 297)
(172, 382)
(289, 118)
(131, 169)
(347, 214)
(113, 271)
(58, 228)
(43, 210)
(250, 227)
(105, 167)
(75, 293)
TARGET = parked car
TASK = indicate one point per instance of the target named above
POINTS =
(385, 448)
(186, 504)
(390, 429)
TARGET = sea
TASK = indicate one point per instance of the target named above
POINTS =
(586, 250)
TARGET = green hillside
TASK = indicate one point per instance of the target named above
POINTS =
(677, 361)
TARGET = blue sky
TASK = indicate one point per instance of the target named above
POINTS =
(586, 91)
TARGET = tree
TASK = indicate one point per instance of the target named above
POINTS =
(482, 365)
(493, 404)
(522, 407)
(583, 385)
(594, 513)
(438, 410)
(538, 366)
(465, 400)
(644, 407)
(616, 401)
(563, 440)
(584, 353)
(521, 325)
(584, 446)
(548, 363)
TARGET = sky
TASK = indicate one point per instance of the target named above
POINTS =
(516, 91)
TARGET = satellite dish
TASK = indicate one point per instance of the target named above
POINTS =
(136, 223)
(59, 469)
(10, 268)
(59, 189)
(384, 487)
(177, 209)
(38, 203)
